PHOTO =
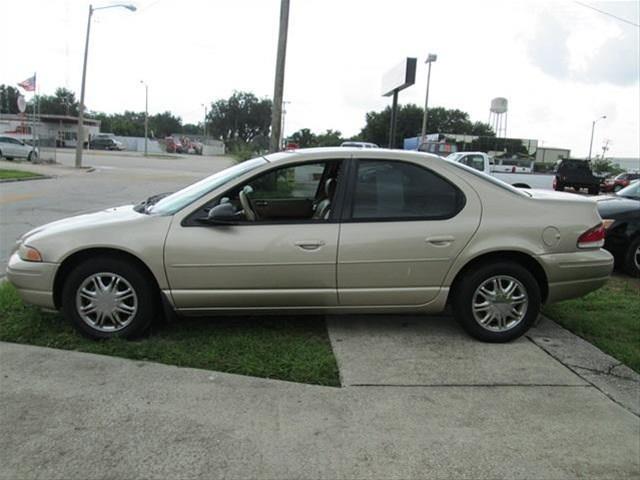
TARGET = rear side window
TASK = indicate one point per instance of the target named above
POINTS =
(392, 190)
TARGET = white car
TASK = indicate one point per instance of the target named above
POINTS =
(359, 145)
(11, 148)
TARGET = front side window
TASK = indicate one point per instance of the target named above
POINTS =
(297, 193)
(390, 190)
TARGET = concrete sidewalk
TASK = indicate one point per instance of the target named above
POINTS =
(80, 416)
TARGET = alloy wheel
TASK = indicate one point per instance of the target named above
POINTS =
(500, 303)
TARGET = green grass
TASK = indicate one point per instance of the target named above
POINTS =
(16, 174)
(609, 318)
(296, 349)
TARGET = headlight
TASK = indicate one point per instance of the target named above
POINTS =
(29, 254)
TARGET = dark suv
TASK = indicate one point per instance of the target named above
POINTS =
(576, 174)
(105, 143)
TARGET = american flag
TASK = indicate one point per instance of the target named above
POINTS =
(29, 85)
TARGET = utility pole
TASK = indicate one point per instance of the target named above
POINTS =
(278, 90)
(80, 142)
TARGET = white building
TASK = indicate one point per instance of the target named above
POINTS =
(51, 130)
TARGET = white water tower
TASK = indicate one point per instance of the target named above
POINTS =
(498, 114)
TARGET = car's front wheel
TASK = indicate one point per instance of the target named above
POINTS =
(497, 302)
(108, 297)
(33, 156)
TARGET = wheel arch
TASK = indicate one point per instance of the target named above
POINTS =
(521, 258)
(75, 259)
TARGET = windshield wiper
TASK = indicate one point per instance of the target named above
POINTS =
(145, 205)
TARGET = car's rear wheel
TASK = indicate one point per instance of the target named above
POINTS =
(632, 259)
(497, 302)
(107, 297)
(594, 190)
(559, 187)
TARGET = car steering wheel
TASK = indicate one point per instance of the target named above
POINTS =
(249, 212)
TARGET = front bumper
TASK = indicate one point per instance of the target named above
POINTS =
(33, 280)
(572, 275)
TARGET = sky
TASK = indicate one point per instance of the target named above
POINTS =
(560, 64)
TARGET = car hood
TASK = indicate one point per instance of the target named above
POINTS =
(108, 216)
(612, 205)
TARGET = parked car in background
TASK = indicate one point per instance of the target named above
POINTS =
(575, 174)
(518, 178)
(619, 182)
(621, 217)
(174, 145)
(326, 230)
(191, 146)
(105, 143)
(359, 145)
(11, 148)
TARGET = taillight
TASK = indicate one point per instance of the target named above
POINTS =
(592, 238)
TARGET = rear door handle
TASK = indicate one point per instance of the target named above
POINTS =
(441, 241)
(309, 244)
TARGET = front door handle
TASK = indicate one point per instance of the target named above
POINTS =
(309, 244)
(441, 241)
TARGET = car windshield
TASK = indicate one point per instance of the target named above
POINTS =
(632, 191)
(488, 178)
(180, 199)
(454, 157)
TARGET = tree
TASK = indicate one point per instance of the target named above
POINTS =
(330, 138)
(192, 129)
(163, 124)
(62, 102)
(240, 118)
(304, 138)
(9, 99)
(409, 124)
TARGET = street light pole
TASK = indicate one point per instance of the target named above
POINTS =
(430, 59)
(593, 127)
(146, 115)
(204, 124)
(80, 142)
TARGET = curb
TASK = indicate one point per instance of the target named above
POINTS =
(27, 179)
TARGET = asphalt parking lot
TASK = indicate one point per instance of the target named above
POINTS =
(419, 399)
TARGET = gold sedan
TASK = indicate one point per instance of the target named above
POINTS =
(324, 231)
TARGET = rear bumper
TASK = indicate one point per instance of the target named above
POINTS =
(33, 280)
(572, 275)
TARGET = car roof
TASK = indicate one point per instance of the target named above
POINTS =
(301, 154)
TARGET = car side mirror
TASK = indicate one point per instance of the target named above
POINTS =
(223, 213)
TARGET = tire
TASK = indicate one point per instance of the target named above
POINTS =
(32, 156)
(594, 190)
(632, 259)
(467, 291)
(559, 187)
(87, 276)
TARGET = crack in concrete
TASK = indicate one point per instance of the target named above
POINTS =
(609, 370)
(573, 369)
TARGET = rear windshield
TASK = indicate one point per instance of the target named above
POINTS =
(490, 179)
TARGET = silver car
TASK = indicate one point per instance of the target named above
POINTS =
(325, 231)
(11, 148)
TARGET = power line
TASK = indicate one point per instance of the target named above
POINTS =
(608, 14)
